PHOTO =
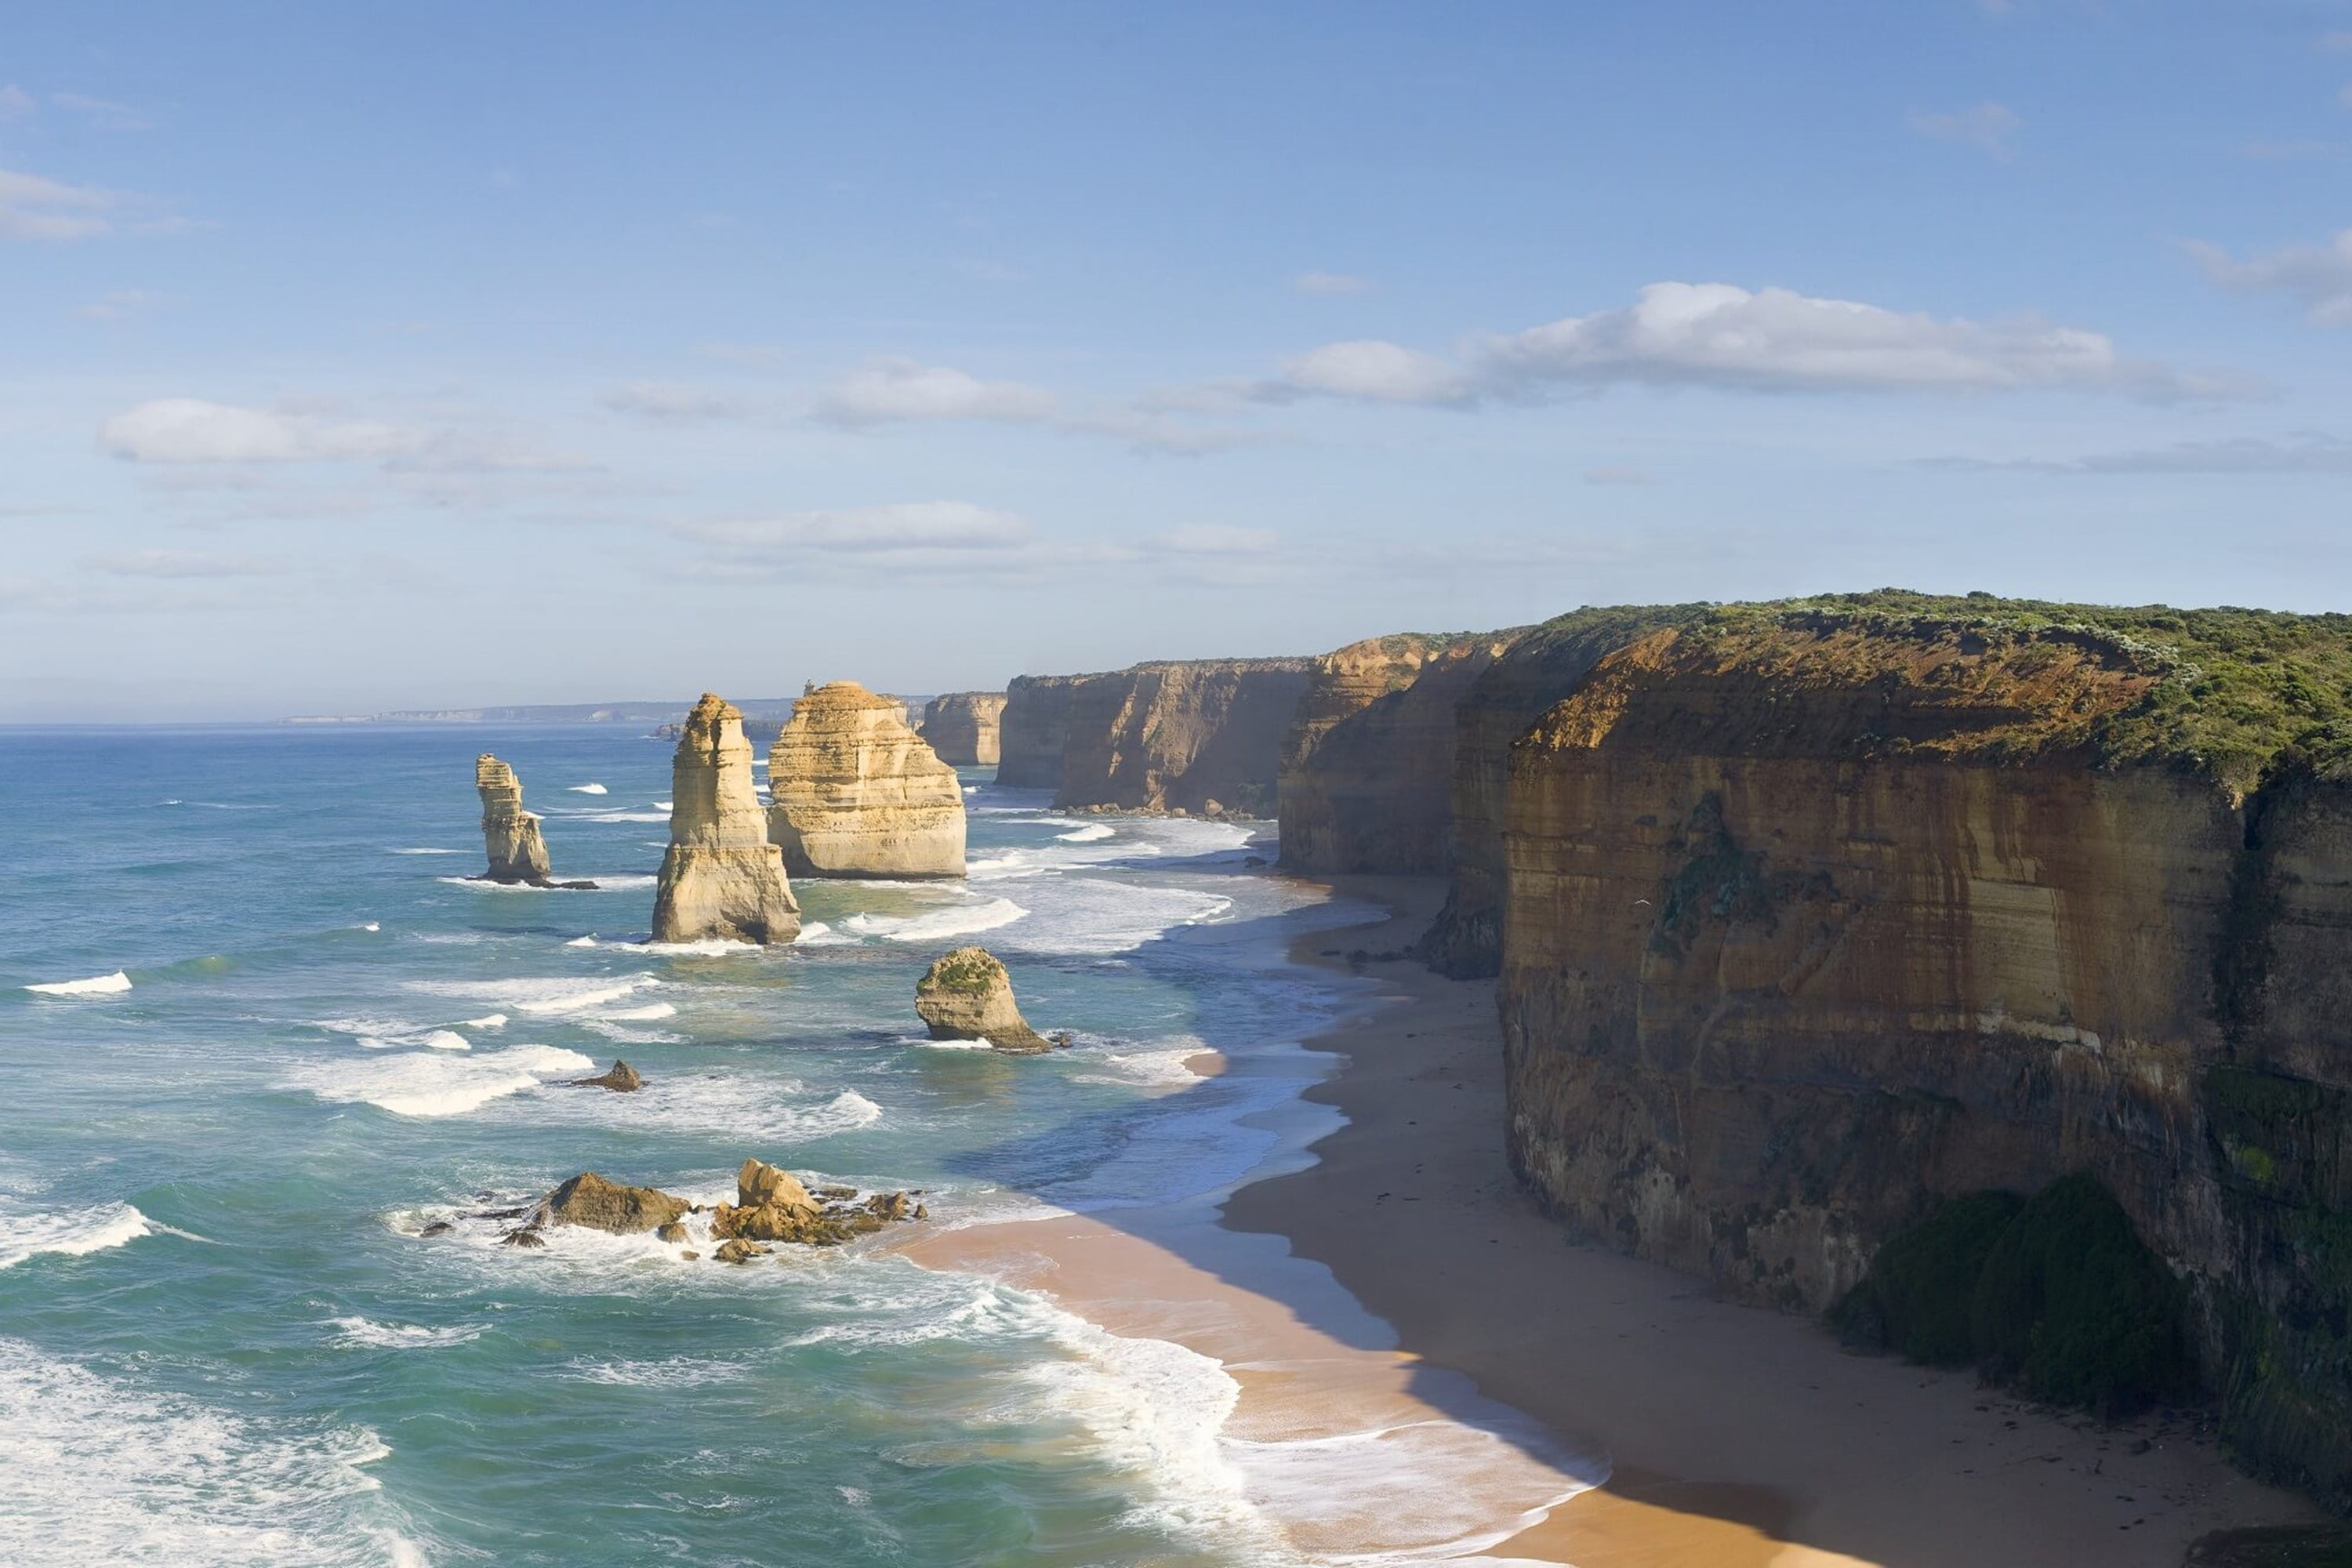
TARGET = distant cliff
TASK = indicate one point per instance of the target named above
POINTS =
(963, 728)
(1165, 736)
(1816, 914)
(1367, 767)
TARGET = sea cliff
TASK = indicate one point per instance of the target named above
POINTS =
(1814, 915)
(963, 728)
(1180, 735)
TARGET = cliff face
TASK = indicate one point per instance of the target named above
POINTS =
(1537, 670)
(963, 728)
(1367, 768)
(720, 876)
(1034, 727)
(1180, 735)
(509, 834)
(1814, 919)
(852, 793)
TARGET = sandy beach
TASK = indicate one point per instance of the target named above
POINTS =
(1401, 1295)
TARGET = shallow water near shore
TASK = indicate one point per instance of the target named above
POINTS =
(223, 1337)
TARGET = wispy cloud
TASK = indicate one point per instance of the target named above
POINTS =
(1332, 283)
(194, 430)
(1721, 336)
(2308, 453)
(104, 113)
(179, 564)
(32, 208)
(1214, 538)
(120, 305)
(894, 391)
(949, 525)
(16, 103)
(1991, 128)
(2316, 277)
(677, 402)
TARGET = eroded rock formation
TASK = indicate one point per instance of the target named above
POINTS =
(853, 793)
(967, 995)
(963, 728)
(621, 1078)
(589, 1199)
(1817, 915)
(720, 876)
(509, 834)
(1368, 765)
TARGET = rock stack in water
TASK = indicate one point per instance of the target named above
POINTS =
(967, 995)
(962, 727)
(856, 793)
(509, 834)
(721, 877)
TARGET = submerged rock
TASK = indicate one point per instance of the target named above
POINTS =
(509, 834)
(854, 793)
(620, 1078)
(721, 878)
(588, 1199)
(674, 1233)
(740, 1251)
(967, 995)
(527, 1237)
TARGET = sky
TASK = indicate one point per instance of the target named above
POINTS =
(419, 355)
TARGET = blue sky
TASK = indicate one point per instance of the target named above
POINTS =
(375, 356)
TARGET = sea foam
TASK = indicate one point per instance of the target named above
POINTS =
(415, 1084)
(96, 985)
(956, 919)
(72, 1232)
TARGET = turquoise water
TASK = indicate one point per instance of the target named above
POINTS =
(224, 1340)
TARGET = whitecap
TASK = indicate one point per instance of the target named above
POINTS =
(363, 1334)
(553, 994)
(640, 1015)
(96, 985)
(708, 947)
(663, 806)
(956, 920)
(488, 1020)
(618, 816)
(1092, 832)
(73, 1233)
(448, 1040)
(372, 925)
(676, 1372)
(440, 1084)
(588, 789)
(102, 1471)
(588, 941)
(816, 933)
(425, 851)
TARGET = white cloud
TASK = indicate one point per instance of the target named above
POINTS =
(674, 401)
(175, 430)
(1718, 335)
(1333, 283)
(16, 103)
(1988, 127)
(938, 525)
(35, 208)
(2309, 452)
(893, 389)
(1376, 371)
(120, 305)
(2317, 277)
(1215, 539)
(101, 112)
(178, 563)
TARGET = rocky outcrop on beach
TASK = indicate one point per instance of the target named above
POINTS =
(853, 791)
(588, 1199)
(1816, 915)
(1368, 765)
(721, 877)
(509, 834)
(620, 1078)
(772, 1205)
(968, 995)
(963, 728)
(1199, 736)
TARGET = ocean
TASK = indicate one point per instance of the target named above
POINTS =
(257, 1033)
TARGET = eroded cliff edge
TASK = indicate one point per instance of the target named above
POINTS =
(1816, 914)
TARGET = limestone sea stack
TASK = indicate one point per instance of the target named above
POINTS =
(721, 877)
(967, 995)
(856, 793)
(963, 727)
(509, 834)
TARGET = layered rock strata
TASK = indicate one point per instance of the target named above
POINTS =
(1198, 736)
(720, 876)
(509, 834)
(853, 793)
(1817, 915)
(968, 995)
(1033, 729)
(1367, 768)
(963, 728)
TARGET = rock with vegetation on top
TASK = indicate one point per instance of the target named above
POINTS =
(721, 878)
(509, 834)
(854, 793)
(588, 1199)
(620, 1078)
(962, 727)
(967, 995)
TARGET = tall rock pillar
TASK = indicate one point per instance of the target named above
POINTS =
(509, 834)
(721, 877)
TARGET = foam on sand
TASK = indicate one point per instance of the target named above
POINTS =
(99, 1470)
(415, 1083)
(96, 985)
(71, 1233)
